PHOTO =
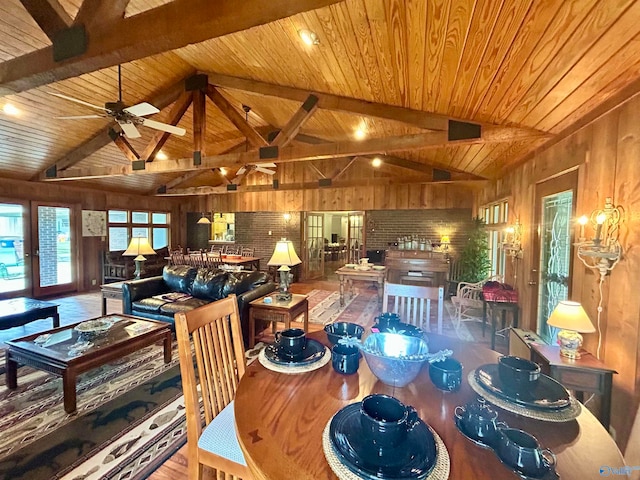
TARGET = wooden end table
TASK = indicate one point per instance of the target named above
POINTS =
(496, 308)
(277, 311)
(55, 358)
(584, 374)
(350, 274)
(110, 290)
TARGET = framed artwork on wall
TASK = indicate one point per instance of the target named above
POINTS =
(94, 223)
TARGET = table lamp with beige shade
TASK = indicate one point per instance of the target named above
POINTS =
(138, 247)
(572, 320)
(284, 255)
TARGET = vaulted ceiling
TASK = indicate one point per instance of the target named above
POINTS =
(468, 87)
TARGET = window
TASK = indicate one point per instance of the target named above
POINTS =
(223, 227)
(124, 225)
(495, 216)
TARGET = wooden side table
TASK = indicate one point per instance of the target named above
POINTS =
(585, 374)
(110, 290)
(277, 311)
(496, 308)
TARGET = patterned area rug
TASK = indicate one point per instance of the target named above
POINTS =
(324, 308)
(129, 420)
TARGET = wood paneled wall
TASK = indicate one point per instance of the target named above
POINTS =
(91, 199)
(379, 197)
(606, 154)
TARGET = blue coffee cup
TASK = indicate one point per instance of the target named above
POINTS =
(345, 359)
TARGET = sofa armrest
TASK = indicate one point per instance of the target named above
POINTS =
(138, 289)
(243, 305)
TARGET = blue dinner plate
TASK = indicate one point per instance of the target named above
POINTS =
(311, 353)
(547, 394)
(414, 458)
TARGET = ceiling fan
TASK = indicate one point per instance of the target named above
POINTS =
(127, 117)
(258, 167)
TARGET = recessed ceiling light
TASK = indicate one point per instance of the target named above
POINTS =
(161, 155)
(223, 171)
(376, 162)
(309, 37)
(360, 133)
(10, 109)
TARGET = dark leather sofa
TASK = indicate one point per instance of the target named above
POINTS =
(143, 298)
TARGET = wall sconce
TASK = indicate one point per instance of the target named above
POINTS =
(603, 251)
(287, 218)
(512, 244)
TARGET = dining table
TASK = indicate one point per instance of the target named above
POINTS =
(280, 419)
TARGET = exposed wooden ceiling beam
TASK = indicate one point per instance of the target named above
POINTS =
(161, 100)
(418, 118)
(417, 166)
(207, 190)
(291, 154)
(94, 12)
(199, 124)
(173, 25)
(160, 138)
(291, 129)
(253, 137)
(125, 147)
(316, 170)
(50, 16)
(344, 169)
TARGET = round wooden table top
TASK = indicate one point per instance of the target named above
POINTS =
(280, 419)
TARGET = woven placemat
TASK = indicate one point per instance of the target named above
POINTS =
(440, 470)
(560, 415)
(269, 365)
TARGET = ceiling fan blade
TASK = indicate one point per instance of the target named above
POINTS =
(129, 130)
(81, 102)
(77, 117)
(241, 170)
(264, 170)
(141, 109)
(267, 165)
(165, 127)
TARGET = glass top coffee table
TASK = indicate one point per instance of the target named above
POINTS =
(73, 349)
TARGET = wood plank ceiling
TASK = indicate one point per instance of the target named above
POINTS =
(526, 71)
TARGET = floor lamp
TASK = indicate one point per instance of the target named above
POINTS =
(138, 247)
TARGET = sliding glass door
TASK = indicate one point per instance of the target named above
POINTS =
(14, 257)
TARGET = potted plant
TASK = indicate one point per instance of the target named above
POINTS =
(474, 262)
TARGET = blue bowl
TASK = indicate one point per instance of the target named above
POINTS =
(338, 330)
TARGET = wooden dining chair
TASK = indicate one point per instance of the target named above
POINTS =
(414, 303)
(216, 335)
(248, 251)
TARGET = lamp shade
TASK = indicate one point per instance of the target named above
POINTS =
(570, 315)
(204, 220)
(284, 254)
(138, 247)
(445, 239)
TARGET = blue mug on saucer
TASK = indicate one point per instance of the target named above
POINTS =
(345, 359)
(291, 342)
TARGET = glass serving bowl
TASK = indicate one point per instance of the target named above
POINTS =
(395, 359)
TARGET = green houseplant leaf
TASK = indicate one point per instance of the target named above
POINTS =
(474, 261)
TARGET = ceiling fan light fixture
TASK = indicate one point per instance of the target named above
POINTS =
(223, 171)
(360, 133)
(376, 162)
(161, 155)
(308, 37)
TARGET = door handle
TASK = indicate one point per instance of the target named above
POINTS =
(533, 272)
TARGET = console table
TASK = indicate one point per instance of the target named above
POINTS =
(16, 312)
(585, 374)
